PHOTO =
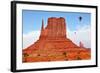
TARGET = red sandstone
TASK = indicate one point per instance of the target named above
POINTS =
(53, 45)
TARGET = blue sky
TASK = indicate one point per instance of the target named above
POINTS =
(32, 19)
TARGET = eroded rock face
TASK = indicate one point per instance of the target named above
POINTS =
(56, 29)
(53, 44)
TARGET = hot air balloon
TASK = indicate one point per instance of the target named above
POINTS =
(75, 32)
(80, 18)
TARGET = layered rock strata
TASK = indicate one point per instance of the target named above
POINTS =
(53, 44)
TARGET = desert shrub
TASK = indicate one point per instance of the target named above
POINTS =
(78, 58)
(64, 53)
(38, 55)
(26, 55)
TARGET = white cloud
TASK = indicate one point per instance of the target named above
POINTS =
(82, 34)
(30, 38)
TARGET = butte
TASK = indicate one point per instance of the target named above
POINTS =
(54, 45)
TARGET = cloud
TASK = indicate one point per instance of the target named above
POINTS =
(30, 38)
(82, 34)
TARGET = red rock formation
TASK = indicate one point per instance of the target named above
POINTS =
(56, 28)
(81, 44)
(53, 44)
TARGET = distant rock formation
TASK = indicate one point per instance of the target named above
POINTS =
(81, 45)
(53, 44)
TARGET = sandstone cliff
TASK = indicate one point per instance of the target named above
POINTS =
(56, 28)
(53, 44)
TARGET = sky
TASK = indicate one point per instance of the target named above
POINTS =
(32, 22)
